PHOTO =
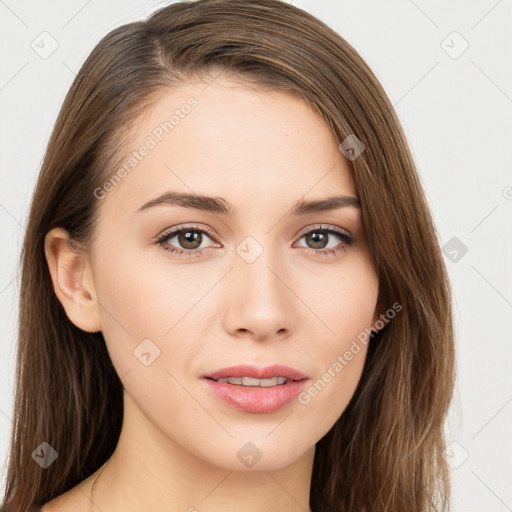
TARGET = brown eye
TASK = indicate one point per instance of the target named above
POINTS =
(187, 240)
(317, 240)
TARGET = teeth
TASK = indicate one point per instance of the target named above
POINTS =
(249, 381)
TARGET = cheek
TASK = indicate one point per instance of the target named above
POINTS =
(135, 305)
(343, 300)
(145, 312)
(345, 308)
(326, 397)
(146, 297)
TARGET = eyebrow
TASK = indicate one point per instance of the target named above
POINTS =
(220, 206)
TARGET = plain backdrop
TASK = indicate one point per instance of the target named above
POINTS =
(446, 68)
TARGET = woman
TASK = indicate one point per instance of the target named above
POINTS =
(232, 290)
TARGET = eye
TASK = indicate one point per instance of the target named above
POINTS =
(319, 238)
(189, 237)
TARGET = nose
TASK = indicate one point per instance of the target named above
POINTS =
(261, 303)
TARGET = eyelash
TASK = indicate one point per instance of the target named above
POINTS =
(347, 241)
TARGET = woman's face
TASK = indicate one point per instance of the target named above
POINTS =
(251, 281)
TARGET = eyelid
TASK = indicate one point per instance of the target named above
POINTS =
(326, 227)
(177, 229)
(212, 234)
(343, 234)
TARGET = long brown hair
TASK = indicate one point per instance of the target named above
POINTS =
(385, 453)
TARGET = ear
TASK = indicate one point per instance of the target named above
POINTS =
(72, 281)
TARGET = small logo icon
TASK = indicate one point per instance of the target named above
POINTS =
(44, 455)
(44, 45)
(455, 455)
(249, 249)
(146, 352)
(249, 454)
(454, 45)
(454, 249)
(351, 147)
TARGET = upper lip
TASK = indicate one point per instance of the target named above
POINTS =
(244, 370)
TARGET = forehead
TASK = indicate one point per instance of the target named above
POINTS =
(233, 140)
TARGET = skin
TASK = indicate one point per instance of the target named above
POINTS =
(262, 151)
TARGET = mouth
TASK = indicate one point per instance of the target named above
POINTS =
(256, 390)
(255, 376)
(252, 382)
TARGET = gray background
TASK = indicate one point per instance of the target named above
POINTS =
(455, 106)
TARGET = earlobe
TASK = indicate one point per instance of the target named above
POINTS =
(72, 281)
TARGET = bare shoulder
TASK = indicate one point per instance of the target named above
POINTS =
(74, 500)
(66, 503)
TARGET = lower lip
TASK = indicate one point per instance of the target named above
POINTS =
(256, 398)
